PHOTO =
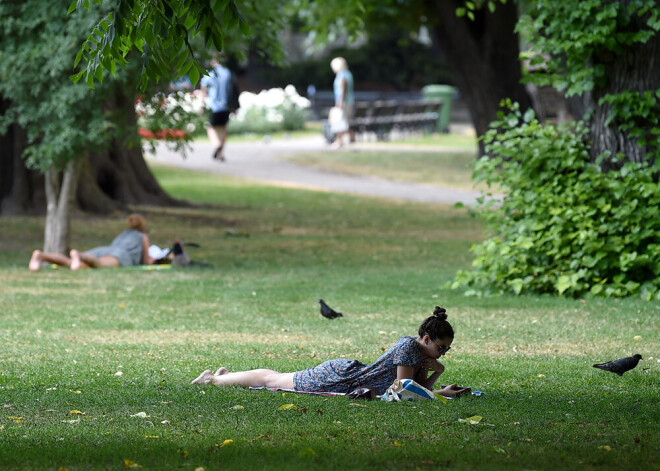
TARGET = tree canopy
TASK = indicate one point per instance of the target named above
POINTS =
(61, 119)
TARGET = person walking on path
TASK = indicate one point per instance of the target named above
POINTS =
(130, 248)
(344, 97)
(214, 88)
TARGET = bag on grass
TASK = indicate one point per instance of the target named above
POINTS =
(407, 390)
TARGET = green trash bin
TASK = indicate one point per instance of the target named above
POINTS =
(445, 93)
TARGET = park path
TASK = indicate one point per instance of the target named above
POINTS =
(258, 161)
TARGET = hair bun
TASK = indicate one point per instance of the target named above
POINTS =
(440, 312)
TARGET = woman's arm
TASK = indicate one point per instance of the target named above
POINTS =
(146, 258)
(408, 372)
(340, 101)
(404, 372)
(430, 364)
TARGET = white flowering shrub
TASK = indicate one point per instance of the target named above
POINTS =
(268, 111)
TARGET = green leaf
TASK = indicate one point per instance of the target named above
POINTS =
(194, 74)
(460, 12)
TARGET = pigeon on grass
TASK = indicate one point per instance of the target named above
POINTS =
(328, 312)
(621, 365)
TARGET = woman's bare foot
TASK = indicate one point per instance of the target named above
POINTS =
(35, 261)
(75, 259)
(221, 371)
(201, 379)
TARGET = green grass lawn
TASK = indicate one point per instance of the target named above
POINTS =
(445, 160)
(95, 365)
(445, 168)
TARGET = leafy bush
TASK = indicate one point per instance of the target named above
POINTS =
(564, 225)
(178, 110)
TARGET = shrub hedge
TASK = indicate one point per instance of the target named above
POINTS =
(564, 225)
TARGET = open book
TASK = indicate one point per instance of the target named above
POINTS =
(157, 253)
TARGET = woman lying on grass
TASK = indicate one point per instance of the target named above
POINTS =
(129, 248)
(409, 358)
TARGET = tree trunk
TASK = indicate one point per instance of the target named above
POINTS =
(120, 173)
(109, 181)
(60, 190)
(483, 56)
(21, 190)
(637, 69)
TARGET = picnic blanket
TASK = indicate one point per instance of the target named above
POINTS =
(321, 393)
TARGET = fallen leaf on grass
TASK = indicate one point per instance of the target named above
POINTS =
(397, 444)
(288, 407)
(541, 375)
(440, 397)
(605, 447)
(16, 420)
(151, 436)
(474, 420)
(2, 427)
(128, 464)
(307, 452)
(228, 442)
(238, 407)
(165, 422)
(141, 415)
(355, 404)
(76, 412)
(118, 373)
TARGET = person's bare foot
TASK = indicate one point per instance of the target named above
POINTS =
(221, 371)
(201, 379)
(75, 259)
(35, 261)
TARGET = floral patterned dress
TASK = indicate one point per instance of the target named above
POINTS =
(342, 375)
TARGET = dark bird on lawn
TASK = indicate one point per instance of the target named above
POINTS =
(180, 257)
(621, 365)
(328, 312)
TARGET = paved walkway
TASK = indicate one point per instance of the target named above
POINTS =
(257, 160)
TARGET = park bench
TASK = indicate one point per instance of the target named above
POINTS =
(380, 114)
(382, 118)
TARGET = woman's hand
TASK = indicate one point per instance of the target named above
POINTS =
(452, 391)
(431, 364)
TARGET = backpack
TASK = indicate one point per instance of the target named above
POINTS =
(232, 93)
